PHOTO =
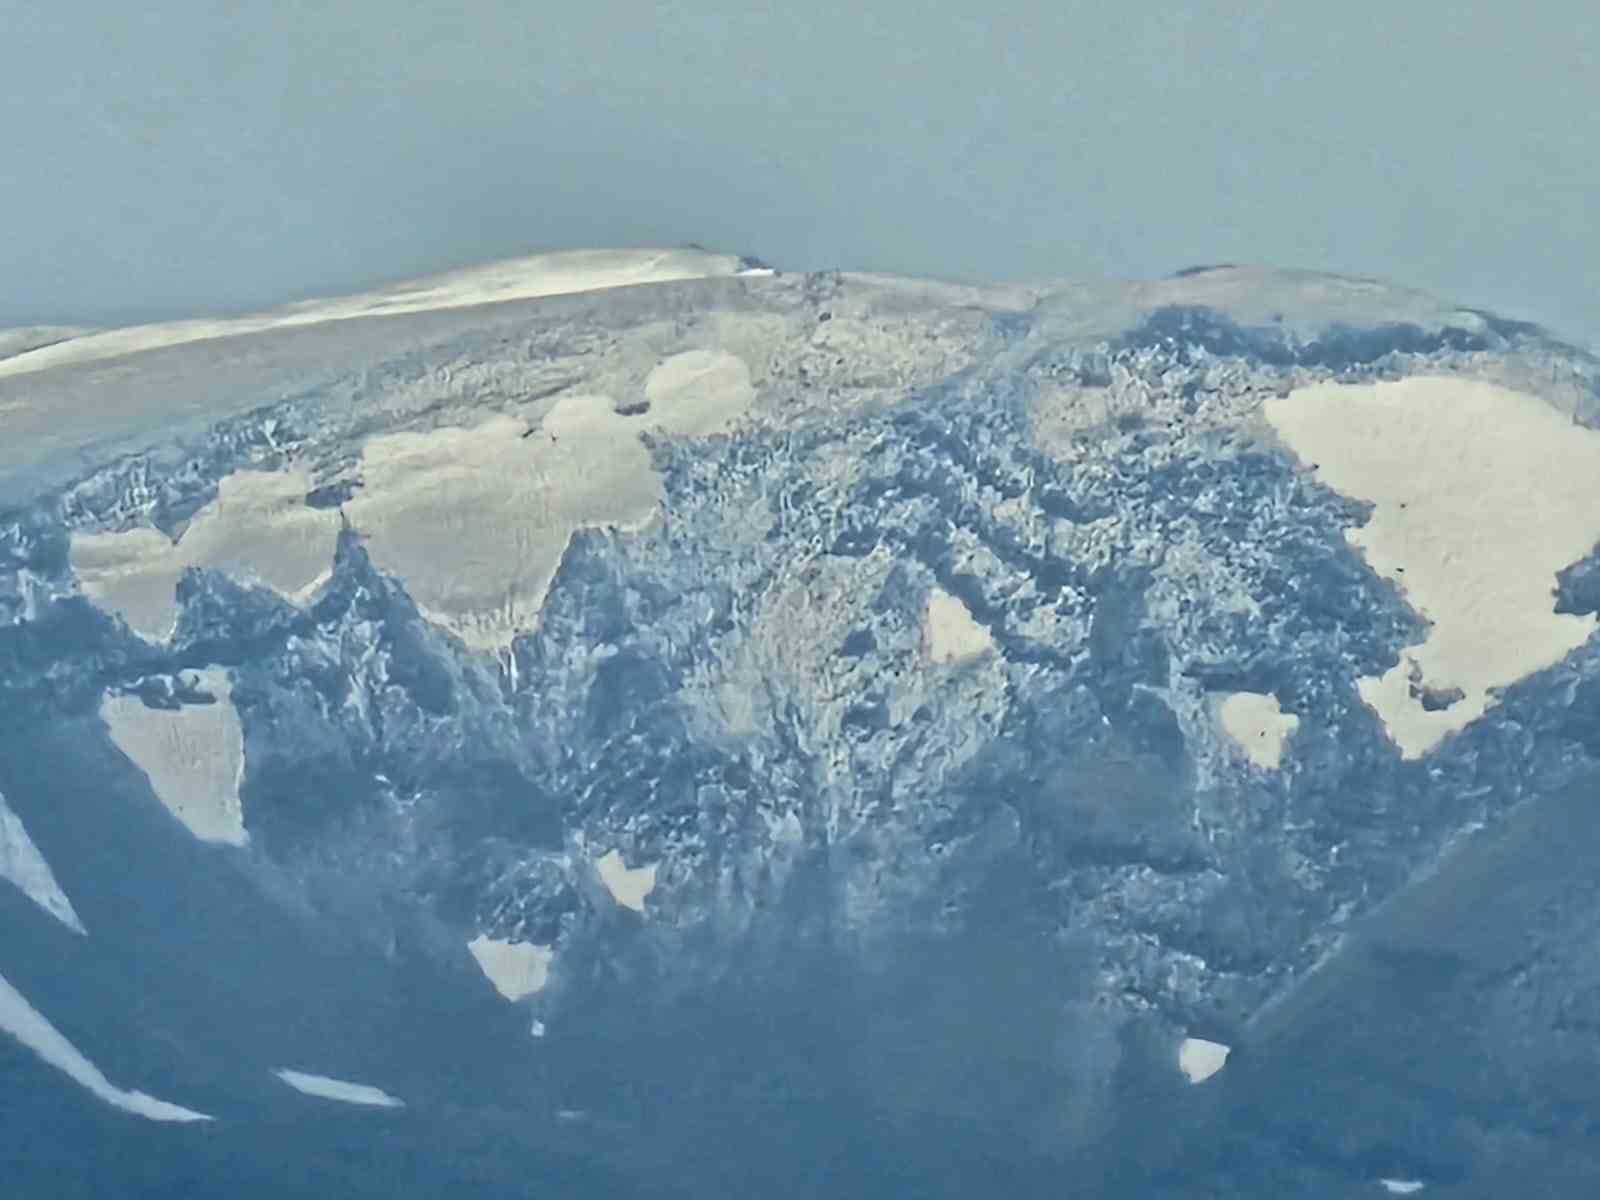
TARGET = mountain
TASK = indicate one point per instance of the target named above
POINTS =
(643, 721)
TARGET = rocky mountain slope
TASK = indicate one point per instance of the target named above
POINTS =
(933, 701)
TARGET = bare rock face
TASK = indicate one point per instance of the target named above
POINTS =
(1005, 691)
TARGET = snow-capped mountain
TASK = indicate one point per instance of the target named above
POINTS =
(642, 719)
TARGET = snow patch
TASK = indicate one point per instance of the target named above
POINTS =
(193, 756)
(30, 1027)
(24, 866)
(629, 886)
(133, 575)
(337, 1089)
(257, 530)
(698, 391)
(474, 521)
(949, 632)
(560, 273)
(1259, 727)
(1401, 1187)
(1481, 495)
(517, 969)
(1199, 1059)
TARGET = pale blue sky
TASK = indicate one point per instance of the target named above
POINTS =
(182, 157)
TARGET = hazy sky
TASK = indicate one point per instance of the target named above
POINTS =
(179, 156)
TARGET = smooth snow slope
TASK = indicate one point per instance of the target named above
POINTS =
(511, 279)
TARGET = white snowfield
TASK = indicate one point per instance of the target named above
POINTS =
(30, 1027)
(258, 530)
(325, 1088)
(24, 866)
(1481, 495)
(517, 969)
(1200, 1059)
(629, 886)
(1257, 726)
(193, 756)
(474, 521)
(949, 632)
(553, 274)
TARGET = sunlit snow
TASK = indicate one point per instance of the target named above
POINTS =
(1258, 726)
(25, 1023)
(1200, 1059)
(1481, 495)
(337, 1089)
(24, 866)
(193, 756)
(629, 886)
(554, 274)
(517, 969)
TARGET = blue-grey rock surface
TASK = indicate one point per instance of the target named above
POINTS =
(821, 677)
